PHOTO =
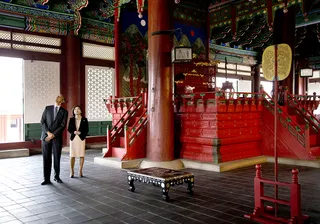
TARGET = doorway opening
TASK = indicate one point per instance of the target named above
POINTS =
(11, 100)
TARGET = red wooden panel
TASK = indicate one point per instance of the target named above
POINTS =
(246, 106)
(196, 156)
(196, 140)
(238, 106)
(196, 152)
(196, 116)
(259, 105)
(200, 106)
(226, 124)
(239, 148)
(231, 105)
(118, 152)
(240, 139)
(197, 124)
(211, 105)
(253, 106)
(222, 106)
(206, 149)
(240, 155)
(199, 132)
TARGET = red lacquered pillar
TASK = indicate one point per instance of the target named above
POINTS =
(70, 76)
(117, 57)
(160, 140)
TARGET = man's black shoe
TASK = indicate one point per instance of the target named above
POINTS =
(58, 180)
(46, 182)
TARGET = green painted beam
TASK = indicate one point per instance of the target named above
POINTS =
(12, 21)
(30, 11)
(233, 50)
(96, 128)
(313, 18)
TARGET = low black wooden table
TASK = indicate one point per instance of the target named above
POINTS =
(161, 177)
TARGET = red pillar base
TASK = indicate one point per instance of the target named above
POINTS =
(268, 214)
(266, 218)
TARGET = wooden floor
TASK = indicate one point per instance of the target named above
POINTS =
(102, 196)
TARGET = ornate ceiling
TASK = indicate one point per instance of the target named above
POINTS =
(238, 24)
(249, 25)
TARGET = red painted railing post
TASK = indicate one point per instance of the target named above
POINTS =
(258, 190)
(295, 196)
(126, 141)
(108, 142)
(145, 97)
(285, 96)
(109, 104)
(307, 135)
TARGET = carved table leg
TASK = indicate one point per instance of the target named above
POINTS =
(165, 191)
(190, 185)
(131, 188)
(165, 195)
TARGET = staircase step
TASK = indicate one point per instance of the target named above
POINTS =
(118, 152)
(315, 151)
(284, 108)
(313, 140)
(13, 153)
(117, 163)
(136, 119)
(122, 142)
(290, 110)
(293, 118)
(302, 126)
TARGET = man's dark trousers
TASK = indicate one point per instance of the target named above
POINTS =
(55, 147)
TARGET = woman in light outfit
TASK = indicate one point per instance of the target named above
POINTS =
(78, 128)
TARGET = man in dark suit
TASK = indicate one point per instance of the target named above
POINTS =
(53, 122)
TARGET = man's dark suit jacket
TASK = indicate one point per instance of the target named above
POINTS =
(55, 126)
(84, 128)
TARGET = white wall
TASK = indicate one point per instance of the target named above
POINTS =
(99, 86)
(41, 87)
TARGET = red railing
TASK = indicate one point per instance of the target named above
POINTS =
(293, 102)
(293, 127)
(306, 97)
(131, 135)
(219, 101)
(113, 104)
(221, 94)
(116, 130)
(308, 102)
(263, 214)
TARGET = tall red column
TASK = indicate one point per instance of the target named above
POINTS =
(256, 78)
(73, 57)
(284, 30)
(70, 76)
(117, 56)
(160, 141)
(208, 36)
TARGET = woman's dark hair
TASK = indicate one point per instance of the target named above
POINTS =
(75, 108)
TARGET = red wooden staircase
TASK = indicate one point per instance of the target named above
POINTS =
(302, 113)
(298, 135)
(126, 140)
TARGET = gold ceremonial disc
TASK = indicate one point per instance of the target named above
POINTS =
(284, 58)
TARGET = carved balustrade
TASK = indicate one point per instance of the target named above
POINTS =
(308, 102)
(119, 105)
(219, 102)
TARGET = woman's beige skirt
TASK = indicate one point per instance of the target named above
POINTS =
(77, 147)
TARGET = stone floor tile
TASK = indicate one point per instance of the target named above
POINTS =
(103, 196)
